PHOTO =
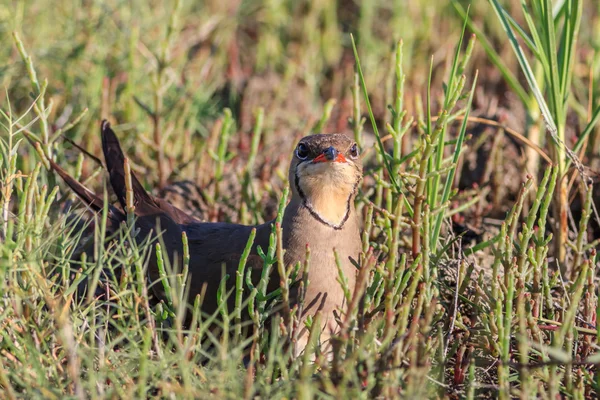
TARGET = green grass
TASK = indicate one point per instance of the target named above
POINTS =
(218, 93)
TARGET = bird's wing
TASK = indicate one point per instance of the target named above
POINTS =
(216, 250)
(212, 246)
(157, 219)
(145, 204)
(152, 219)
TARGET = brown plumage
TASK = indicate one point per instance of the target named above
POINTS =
(324, 176)
(187, 196)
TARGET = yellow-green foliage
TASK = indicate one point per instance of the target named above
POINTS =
(218, 92)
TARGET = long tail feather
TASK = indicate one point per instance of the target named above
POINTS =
(89, 197)
(84, 151)
(95, 202)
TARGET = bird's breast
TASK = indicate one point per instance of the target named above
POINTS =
(304, 232)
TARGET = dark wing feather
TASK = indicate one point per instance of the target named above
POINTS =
(145, 204)
(115, 161)
(216, 248)
(212, 246)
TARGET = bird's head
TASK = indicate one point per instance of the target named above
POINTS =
(325, 172)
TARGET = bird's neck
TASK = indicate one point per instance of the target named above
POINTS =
(303, 226)
(329, 204)
(332, 209)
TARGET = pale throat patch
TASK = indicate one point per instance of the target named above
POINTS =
(327, 188)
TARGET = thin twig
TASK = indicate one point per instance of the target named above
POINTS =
(491, 122)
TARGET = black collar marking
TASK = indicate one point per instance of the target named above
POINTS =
(315, 214)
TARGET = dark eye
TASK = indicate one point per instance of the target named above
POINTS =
(354, 151)
(302, 151)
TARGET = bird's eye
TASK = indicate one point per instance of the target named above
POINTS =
(354, 151)
(302, 151)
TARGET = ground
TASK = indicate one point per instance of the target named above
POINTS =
(488, 288)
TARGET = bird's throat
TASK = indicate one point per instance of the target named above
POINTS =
(330, 209)
(330, 205)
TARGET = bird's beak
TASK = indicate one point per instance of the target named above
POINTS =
(330, 154)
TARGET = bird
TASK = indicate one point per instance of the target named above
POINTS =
(324, 177)
(186, 195)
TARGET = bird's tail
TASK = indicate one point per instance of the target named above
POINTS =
(155, 217)
(95, 202)
(92, 200)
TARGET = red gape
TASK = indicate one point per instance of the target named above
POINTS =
(321, 158)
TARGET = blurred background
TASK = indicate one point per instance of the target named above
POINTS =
(165, 71)
(209, 99)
